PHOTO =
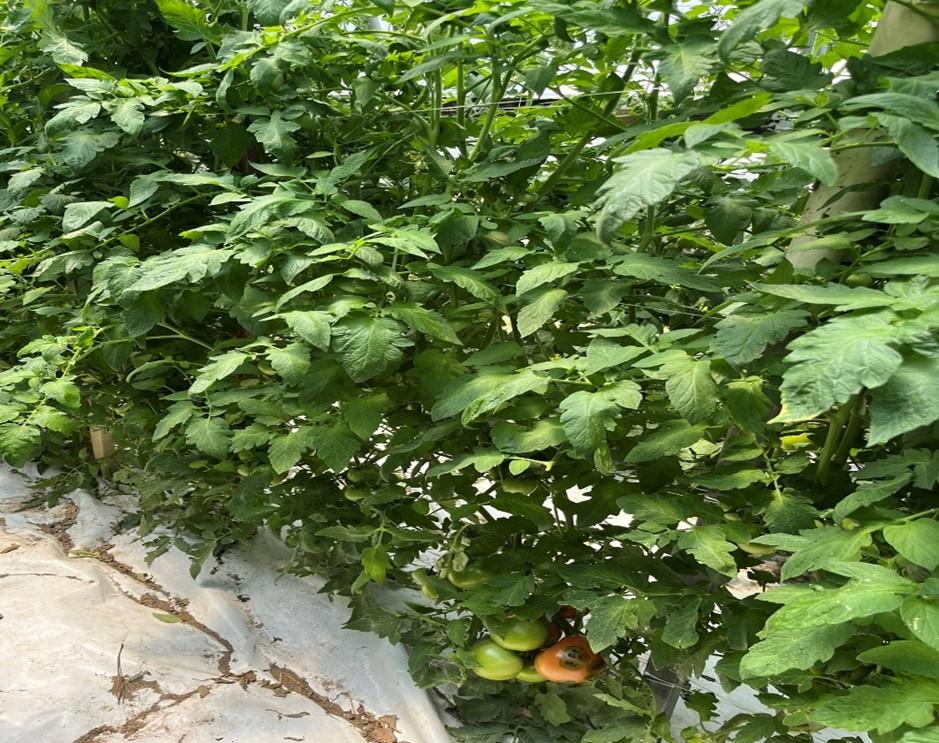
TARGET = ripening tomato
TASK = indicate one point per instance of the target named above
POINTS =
(568, 612)
(470, 578)
(495, 662)
(528, 675)
(569, 661)
(521, 635)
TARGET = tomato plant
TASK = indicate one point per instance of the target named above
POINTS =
(620, 301)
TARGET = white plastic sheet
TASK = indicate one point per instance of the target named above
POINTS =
(243, 654)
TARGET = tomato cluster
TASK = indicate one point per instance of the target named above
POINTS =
(533, 651)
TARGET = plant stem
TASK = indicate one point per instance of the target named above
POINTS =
(851, 431)
(835, 428)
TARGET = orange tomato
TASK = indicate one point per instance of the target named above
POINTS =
(568, 661)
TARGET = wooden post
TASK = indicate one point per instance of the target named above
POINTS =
(861, 185)
(102, 442)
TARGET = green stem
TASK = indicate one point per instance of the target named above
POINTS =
(575, 151)
(835, 429)
(850, 432)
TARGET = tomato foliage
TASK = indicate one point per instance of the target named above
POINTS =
(538, 284)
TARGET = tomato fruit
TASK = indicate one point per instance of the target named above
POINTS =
(529, 675)
(356, 494)
(568, 612)
(516, 485)
(469, 578)
(522, 635)
(859, 279)
(495, 662)
(568, 661)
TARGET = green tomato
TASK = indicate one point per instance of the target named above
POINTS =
(522, 635)
(495, 662)
(518, 485)
(528, 675)
(859, 279)
(356, 494)
(470, 578)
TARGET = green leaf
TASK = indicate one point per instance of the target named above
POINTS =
(684, 65)
(869, 493)
(363, 415)
(917, 109)
(468, 279)
(922, 617)
(508, 388)
(918, 144)
(177, 414)
(311, 326)
(747, 404)
(854, 600)
(710, 547)
(908, 400)
(796, 649)
(335, 445)
(189, 21)
(209, 435)
(904, 656)
(844, 297)
(690, 388)
(362, 209)
(539, 310)
(883, 708)
(367, 346)
(129, 116)
(514, 439)
(742, 338)
(544, 274)
(587, 416)
(681, 626)
(511, 590)
(276, 134)
(661, 271)
(830, 364)
(817, 548)
(18, 443)
(920, 736)
(291, 362)
(268, 11)
(808, 156)
(425, 321)
(641, 180)
(917, 541)
(552, 708)
(758, 17)
(219, 368)
(669, 438)
(603, 354)
(285, 451)
(614, 617)
(80, 214)
(81, 147)
(903, 210)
